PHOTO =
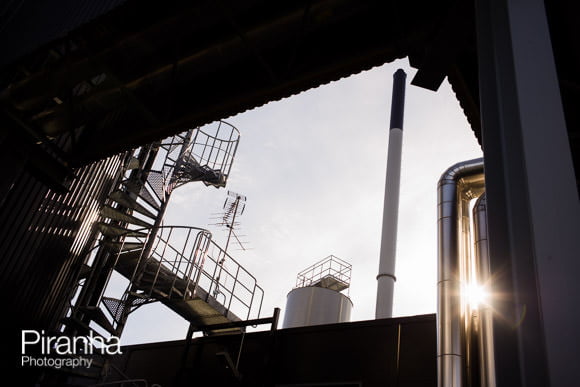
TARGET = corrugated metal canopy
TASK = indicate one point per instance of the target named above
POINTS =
(115, 74)
(29, 25)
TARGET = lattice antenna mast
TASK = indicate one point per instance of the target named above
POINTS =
(234, 206)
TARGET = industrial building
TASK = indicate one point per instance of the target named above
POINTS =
(95, 97)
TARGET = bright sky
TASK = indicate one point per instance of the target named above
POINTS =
(313, 167)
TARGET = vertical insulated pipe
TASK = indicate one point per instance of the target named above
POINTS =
(386, 277)
(483, 269)
(457, 186)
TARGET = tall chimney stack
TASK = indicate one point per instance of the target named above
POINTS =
(386, 277)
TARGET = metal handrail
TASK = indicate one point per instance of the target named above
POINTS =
(228, 155)
(212, 150)
(174, 266)
(324, 260)
(322, 268)
(238, 286)
(230, 294)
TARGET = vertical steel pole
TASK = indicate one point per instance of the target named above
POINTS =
(533, 209)
(386, 277)
(484, 278)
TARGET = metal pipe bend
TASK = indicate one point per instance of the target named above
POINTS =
(457, 186)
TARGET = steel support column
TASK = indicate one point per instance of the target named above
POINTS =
(533, 207)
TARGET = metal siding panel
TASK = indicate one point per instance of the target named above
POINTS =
(18, 214)
(41, 242)
(50, 240)
(66, 278)
(96, 187)
(41, 254)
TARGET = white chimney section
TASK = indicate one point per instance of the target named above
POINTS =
(386, 277)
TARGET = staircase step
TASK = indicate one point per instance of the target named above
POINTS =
(214, 177)
(139, 295)
(98, 316)
(133, 163)
(222, 332)
(161, 284)
(164, 294)
(126, 200)
(78, 325)
(94, 372)
(85, 271)
(148, 278)
(165, 280)
(81, 328)
(126, 246)
(138, 189)
(164, 275)
(115, 231)
(176, 293)
(81, 372)
(112, 213)
(127, 261)
(98, 363)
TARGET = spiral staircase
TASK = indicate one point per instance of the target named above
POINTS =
(138, 260)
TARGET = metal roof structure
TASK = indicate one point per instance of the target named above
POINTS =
(115, 74)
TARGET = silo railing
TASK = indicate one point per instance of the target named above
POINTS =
(330, 272)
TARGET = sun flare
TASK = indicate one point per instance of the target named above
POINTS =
(476, 295)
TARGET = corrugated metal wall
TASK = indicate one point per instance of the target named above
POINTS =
(44, 237)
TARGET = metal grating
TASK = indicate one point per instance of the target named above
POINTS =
(114, 307)
(156, 181)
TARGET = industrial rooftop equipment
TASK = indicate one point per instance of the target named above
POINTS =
(319, 296)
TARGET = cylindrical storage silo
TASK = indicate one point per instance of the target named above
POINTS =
(314, 305)
(317, 298)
